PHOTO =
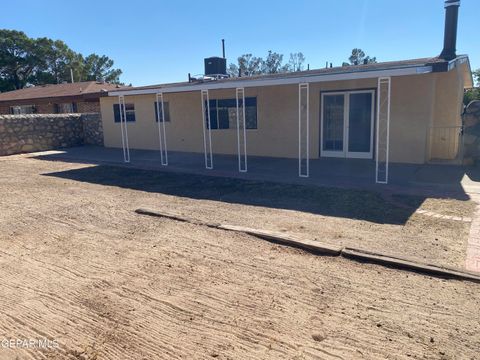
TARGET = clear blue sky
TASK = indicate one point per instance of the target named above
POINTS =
(156, 41)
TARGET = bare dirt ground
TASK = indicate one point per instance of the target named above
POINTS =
(352, 218)
(79, 266)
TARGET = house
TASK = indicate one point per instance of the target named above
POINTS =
(80, 97)
(403, 111)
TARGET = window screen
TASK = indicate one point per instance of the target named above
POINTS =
(129, 111)
(223, 113)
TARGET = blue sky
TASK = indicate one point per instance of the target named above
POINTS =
(161, 41)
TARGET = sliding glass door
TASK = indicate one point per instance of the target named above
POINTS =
(347, 124)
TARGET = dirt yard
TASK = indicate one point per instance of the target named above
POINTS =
(78, 266)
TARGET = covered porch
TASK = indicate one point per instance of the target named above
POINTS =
(354, 124)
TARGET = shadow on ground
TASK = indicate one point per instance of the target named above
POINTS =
(346, 203)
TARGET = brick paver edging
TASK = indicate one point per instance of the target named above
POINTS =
(445, 217)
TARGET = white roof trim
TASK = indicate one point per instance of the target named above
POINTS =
(412, 70)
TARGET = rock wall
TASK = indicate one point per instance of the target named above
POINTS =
(92, 129)
(39, 132)
(471, 133)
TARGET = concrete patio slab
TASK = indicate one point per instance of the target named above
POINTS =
(430, 179)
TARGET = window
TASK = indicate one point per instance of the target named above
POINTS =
(129, 111)
(65, 108)
(23, 109)
(223, 113)
(166, 111)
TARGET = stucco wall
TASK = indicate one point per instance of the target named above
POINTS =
(444, 135)
(417, 102)
(410, 114)
(277, 118)
(277, 121)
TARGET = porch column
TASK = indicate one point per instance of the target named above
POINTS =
(303, 130)
(162, 136)
(383, 130)
(207, 129)
(123, 128)
(241, 130)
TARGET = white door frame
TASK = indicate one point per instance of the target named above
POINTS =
(344, 153)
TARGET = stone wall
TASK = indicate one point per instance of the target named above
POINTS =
(38, 132)
(92, 129)
(471, 133)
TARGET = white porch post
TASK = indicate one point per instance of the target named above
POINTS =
(207, 129)
(123, 128)
(383, 130)
(162, 136)
(303, 130)
(241, 130)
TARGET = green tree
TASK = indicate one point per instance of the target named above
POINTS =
(273, 63)
(99, 68)
(476, 77)
(26, 61)
(249, 65)
(56, 60)
(77, 64)
(358, 57)
(18, 59)
(473, 94)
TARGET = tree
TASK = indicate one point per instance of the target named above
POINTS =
(273, 63)
(358, 57)
(26, 61)
(473, 94)
(56, 60)
(77, 65)
(99, 68)
(476, 77)
(232, 70)
(249, 65)
(18, 59)
(296, 62)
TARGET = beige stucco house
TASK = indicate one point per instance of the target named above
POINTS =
(404, 112)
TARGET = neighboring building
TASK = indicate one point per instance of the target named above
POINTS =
(404, 111)
(80, 97)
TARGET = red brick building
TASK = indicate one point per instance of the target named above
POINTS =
(80, 97)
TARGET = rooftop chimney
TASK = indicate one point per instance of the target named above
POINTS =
(451, 23)
(223, 48)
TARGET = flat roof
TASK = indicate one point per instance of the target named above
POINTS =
(391, 68)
